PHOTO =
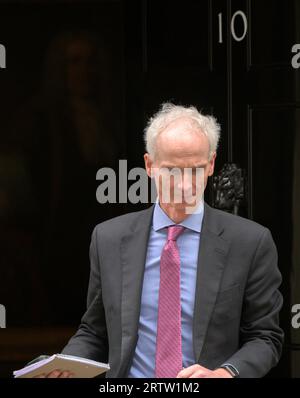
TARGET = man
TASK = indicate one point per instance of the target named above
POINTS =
(181, 293)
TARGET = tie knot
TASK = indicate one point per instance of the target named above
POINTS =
(174, 231)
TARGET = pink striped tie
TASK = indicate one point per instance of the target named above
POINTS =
(168, 340)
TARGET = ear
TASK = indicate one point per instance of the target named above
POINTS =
(212, 164)
(148, 164)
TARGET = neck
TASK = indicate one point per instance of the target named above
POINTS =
(176, 215)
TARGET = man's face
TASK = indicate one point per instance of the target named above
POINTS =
(183, 148)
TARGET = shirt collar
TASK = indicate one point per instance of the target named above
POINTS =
(192, 222)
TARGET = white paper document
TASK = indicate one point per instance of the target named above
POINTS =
(80, 367)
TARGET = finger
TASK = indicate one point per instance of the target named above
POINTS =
(41, 376)
(201, 374)
(185, 373)
(64, 374)
(54, 374)
(71, 375)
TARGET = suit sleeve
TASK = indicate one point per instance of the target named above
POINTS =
(261, 337)
(90, 340)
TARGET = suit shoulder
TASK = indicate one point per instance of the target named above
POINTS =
(120, 223)
(239, 224)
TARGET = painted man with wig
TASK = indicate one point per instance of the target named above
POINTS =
(181, 289)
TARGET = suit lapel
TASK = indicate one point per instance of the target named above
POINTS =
(133, 257)
(211, 261)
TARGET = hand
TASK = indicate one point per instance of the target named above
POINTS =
(198, 371)
(56, 374)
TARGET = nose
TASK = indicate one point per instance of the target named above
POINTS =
(185, 186)
(185, 181)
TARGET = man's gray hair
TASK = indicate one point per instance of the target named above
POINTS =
(168, 113)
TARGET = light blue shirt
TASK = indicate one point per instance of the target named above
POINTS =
(188, 242)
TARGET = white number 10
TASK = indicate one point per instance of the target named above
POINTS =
(232, 28)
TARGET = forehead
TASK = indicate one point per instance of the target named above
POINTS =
(182, 138)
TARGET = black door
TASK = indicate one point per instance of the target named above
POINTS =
(232, 58)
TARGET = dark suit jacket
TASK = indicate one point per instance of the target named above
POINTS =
(237, 303)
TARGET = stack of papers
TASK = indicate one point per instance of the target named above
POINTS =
(80, 367)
